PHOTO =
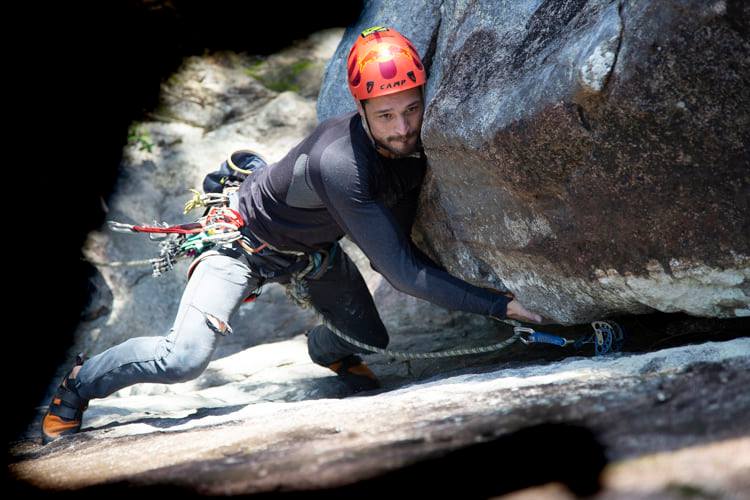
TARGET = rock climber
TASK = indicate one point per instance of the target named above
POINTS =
(358, 174)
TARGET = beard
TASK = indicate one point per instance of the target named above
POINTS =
(400, 148)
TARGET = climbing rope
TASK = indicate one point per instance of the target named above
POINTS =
(298, 291)
(607, 337)
(425, 355)
(604, 344)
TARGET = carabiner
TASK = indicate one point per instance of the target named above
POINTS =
(541, 337)
(523, 330)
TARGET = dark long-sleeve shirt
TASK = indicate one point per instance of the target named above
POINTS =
(334, 183)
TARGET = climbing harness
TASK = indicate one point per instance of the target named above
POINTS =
(218, 227)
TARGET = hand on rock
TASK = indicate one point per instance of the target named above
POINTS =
(518, 312)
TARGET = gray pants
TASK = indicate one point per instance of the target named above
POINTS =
(217, 287)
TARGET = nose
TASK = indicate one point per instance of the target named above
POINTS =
(402, 126)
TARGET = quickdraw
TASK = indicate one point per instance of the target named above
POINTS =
(607, 337)
(205, 200)
(219, 227)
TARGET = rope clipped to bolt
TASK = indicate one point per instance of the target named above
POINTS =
(607, 337)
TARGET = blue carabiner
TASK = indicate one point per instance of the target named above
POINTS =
(548, 338)
(534, 337)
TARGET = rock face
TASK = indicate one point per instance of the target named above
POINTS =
(219, 435)
(592, 157)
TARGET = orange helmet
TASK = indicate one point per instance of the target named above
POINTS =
(383, 61)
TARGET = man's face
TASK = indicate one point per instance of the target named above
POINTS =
(395, 121)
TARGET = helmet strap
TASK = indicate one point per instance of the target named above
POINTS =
(376, 143)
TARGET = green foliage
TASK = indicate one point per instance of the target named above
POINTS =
(279, 79)
(139, 137)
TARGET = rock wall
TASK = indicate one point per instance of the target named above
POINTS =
(592, 157)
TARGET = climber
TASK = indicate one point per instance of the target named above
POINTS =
(357, 174)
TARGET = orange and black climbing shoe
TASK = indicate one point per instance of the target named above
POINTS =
(355, 373)
(65, 411)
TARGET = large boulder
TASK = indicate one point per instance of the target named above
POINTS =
(592, 157)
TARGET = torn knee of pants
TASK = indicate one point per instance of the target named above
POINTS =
(217, 325)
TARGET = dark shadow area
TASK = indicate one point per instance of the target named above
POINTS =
(655, 331)
(536, 455)
(531, 456)
(96, 67)
(651, 332)
(642, 333)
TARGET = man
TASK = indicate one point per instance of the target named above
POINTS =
(357, 174)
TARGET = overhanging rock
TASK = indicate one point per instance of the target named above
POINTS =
(592, 157)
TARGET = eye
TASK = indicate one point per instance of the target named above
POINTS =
(387, 116)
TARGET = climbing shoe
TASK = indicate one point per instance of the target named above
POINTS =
(355, 373)
(65, 411)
